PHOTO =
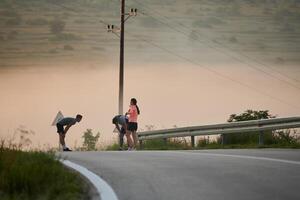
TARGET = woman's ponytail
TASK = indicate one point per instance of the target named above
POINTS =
(138, 109)
(134, 102)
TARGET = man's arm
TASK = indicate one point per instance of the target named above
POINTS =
(117, 126)
(67, 128)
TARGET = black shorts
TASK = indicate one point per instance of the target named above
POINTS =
(132, 126)
(60, 128)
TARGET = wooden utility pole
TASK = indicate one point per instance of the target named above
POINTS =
(121, 73)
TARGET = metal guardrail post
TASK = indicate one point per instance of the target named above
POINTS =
(141, 144)
(261, 138)
(222, 139)
(165, 141)
(193, 141)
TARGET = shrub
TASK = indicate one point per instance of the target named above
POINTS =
(90, 140)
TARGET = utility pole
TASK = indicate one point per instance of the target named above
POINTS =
(113, 29)
(121, 72)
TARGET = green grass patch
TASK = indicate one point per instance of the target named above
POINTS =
(37, 175)
(158, 144)
(113, 147)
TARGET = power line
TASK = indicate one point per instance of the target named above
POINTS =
(136, 37)
(224, 52)
(198, 64)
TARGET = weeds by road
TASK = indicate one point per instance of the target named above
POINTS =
(37, 175)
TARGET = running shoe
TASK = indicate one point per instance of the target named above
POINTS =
(67, 149)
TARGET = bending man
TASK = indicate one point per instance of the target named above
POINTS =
(66, 122)
(121, 120)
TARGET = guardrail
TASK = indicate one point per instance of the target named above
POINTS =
(222, 129)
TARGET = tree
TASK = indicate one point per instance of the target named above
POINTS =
(248, 138)
(90, 140)
(250, 115)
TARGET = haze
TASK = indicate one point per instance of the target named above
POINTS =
(197, 67)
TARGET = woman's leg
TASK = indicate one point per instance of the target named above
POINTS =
(135, 139)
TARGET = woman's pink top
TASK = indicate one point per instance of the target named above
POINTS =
(133, 114)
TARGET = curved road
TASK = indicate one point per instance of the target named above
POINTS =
(205, 174)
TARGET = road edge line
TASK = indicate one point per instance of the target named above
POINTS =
(104, 189)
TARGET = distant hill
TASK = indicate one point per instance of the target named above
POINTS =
(66, 31)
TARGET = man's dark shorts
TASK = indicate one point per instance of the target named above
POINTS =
(60, 128)
(132, 126)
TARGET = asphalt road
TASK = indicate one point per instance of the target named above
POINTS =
(206, 174)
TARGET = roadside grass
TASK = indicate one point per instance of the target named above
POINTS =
(169, 144)
(183, 144)
(157, 144)
(37, 175)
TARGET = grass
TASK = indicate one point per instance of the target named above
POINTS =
(158, 144)
(182, 144)
(37, 175)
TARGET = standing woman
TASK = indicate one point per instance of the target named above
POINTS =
(133, 113)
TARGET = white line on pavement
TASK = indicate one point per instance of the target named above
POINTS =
(105, 191)
(250, 157)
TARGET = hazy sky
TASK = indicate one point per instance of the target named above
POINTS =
(174, 94)
(189, 63)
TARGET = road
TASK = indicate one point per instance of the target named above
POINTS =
(206, 174)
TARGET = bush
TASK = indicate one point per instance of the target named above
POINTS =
(57, 26)
(90, 140)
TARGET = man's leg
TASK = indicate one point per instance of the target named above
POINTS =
(129, 140)
(62, 139)
(121, 137)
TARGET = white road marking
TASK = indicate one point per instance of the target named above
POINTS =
(105, 191)
(250, 157)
